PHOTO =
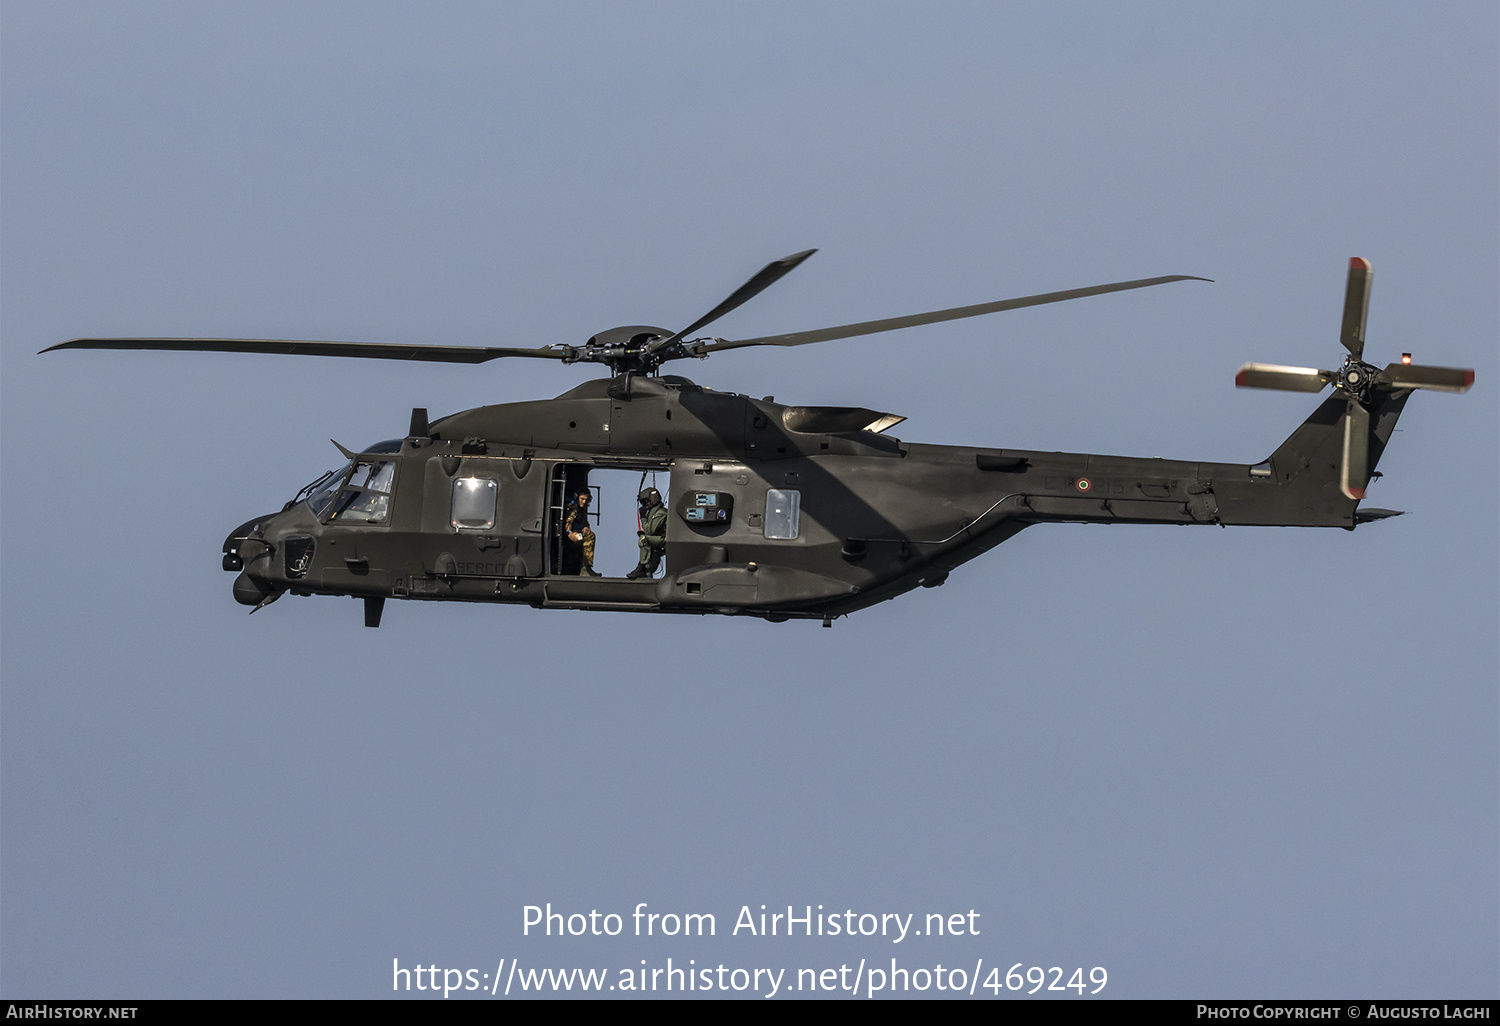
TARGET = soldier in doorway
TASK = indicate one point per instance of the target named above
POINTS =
(579, 555)
(652, 533)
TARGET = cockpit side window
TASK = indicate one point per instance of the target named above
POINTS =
(366, 498)
(359, 493)
(321, 492)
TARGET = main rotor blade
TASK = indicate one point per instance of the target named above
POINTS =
(1439, 379)
(802, 338)
(292, 347)
(1355, 474)
(764, 279)
(1356, 306)
(1286, 379)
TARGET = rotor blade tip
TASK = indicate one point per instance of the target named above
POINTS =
(1359, 264)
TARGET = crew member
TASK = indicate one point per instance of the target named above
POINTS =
(580, 537)
(653, 533)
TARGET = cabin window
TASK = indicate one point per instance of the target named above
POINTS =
(783, 512)
(474, 500)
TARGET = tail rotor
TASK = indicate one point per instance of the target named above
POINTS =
(1359, 381)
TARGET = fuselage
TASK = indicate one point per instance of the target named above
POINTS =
(774, 511)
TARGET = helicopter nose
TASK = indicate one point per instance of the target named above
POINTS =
(250, 592)
(234, 554)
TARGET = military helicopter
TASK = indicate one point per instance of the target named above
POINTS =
(780, 512)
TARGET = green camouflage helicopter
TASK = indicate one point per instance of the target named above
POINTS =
(774, 511)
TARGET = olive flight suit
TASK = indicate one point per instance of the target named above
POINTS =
(653, 539)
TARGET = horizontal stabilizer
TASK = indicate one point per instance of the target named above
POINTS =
(1366, 516)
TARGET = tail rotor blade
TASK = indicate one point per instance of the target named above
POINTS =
(1439, 379)
(1356, 473)
(1285, 379)
(1356, 306)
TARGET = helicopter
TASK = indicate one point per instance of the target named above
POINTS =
(774, 511)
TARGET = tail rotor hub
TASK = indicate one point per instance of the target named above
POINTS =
(1356, 377)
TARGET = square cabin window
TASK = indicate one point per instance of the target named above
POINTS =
(474, 500)
(783, 512)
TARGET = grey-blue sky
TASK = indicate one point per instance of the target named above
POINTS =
(1215, 762)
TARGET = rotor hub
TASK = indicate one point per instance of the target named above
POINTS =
(623, 349)
(1356, 377)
